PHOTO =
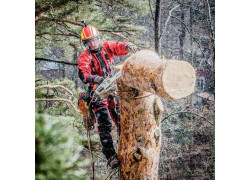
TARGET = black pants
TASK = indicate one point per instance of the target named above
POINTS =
(104, 125)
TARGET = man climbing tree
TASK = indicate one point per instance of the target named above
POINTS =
(95, 64)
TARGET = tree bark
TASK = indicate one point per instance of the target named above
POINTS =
(211, 37)
(157, 26)
(183, 34)
(169, 79)
(140, 139)
(145, 77)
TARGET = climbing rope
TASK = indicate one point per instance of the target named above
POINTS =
(136, 97)
(89, 146)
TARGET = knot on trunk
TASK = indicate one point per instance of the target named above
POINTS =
(138, 155)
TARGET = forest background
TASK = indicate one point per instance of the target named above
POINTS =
(181, 30)
(48, 113)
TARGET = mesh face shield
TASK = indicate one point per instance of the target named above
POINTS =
(93, 43)
(85, 42)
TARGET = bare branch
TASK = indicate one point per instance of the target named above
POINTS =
(169, 16)
(61, 62)
(189, 32)
(124, 37)
(107, 30)
(60, 21)
(57, 34)
(55, 86)
(45, 8)
(62, 100)
(44, 17)
(196, 9)
(96, 155)
(210, 18)
(151, 11)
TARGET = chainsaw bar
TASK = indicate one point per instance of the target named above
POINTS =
(106, 85)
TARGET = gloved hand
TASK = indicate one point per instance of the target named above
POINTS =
(98, 80)
(131, 48)
(95, 79)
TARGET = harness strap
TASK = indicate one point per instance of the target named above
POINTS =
(111, 69)
(92, 62)
(107, 57)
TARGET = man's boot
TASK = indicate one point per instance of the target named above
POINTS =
(113, 161)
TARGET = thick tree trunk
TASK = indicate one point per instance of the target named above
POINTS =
(140, 139)
(169, 79)
(144, 76)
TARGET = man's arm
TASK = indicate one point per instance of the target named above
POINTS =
(84, 68)
(84, 71)
(116, 48)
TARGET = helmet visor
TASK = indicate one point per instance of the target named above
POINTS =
(92, 43)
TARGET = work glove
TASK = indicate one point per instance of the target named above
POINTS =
(131, 48)
(95, 79)
(98, 80)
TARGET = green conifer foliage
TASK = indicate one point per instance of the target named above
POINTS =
(58, 148)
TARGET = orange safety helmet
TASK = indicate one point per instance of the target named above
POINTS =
(89, 32)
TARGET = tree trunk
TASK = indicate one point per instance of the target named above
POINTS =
(157, 26)
(183, 34)
(140, 139)
(145, 77)
(169, 79)
(211, 36)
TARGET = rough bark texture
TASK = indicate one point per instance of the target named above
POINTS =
(140, 139)
(169, 79)
(141, 111)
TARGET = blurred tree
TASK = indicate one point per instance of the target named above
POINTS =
(57, 149)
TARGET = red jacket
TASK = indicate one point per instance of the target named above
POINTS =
(111, 49)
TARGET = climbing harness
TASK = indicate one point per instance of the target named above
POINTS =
(103, 65)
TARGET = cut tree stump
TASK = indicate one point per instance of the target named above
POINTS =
(145, 78)
(169, 79)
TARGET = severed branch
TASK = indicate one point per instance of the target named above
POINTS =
(55, 86)
(62, 100)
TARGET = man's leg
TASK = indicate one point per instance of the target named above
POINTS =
(114, 112)
(104, 129)
(104, 126)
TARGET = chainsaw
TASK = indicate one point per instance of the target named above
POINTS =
(107, 86)
(105, 89)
